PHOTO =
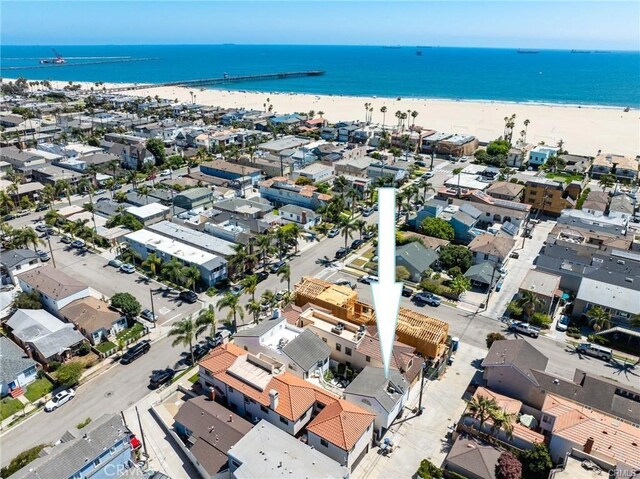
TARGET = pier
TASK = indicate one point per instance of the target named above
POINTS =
(225, 79)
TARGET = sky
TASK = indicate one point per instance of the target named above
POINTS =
(510, 24)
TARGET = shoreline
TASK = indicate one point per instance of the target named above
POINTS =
(583, 129)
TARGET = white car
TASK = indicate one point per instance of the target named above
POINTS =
(369, 278)
(59, 399)
(165, 173)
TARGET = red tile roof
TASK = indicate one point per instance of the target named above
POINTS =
(341, 423)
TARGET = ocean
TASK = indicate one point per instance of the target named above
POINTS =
(549, 76)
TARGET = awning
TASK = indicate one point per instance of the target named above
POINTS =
(529, 421)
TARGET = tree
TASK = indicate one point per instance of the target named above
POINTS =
(459, 284)
(232, 303)
(27, 300)
(508, 467)
(493, 337)
(455, 255)
(607, 181)
(156, 148)
(530, 301)
(402, 273)
(250, 283)
(285, 275)
(503, 421)
(69, 374)
(206, 321)
(347, 227)
(428, 470)
(599, 319)
(190, 276)
(498, 147)
(536, 462)
(482, 409)
(172, 270)
(437, 228)
(383, 110)
(254, 308)
(153, 262)
(184, 332)
(127, 304)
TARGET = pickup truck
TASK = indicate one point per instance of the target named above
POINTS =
(524, 328)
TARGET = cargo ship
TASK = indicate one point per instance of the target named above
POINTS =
(57, 60)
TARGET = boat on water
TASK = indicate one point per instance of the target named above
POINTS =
(394, 47)
(57, 60)
(527, 51)
(419, 52)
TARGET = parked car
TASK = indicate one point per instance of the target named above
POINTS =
(135, 351)
(420, 163)
(102, 199)
(368, 211)
(407, 291)
(280, 295)
(563, 323)
(275, 267)
(499, 285)
(66, 240)
(148, 315)
(595, 350)
(261, 276)
(43, 255)
(428, 174)
(159, 378)
(9, 217)
(101, 191)
(368, 235)
(524, 328)
(355, 244)
(514, 255)
(188, 296)
(199, 352)
(127, 268)
(369, 278)
(345, 282)
(236, 289)
(427, 298)
(42, 207)
(333, 232)
(78, 243)
(220, 337)
(40, 228)
(341, 253)
(59, 399)
(166, 172)
(116, 263)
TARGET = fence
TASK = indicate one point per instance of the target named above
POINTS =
(123, 343)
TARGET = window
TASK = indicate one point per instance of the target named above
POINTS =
(338, 347)
(112, 451)
(368, 358)
(347, 351)
(292, 366)
(96, 462)
(230, 389)
(234, 463)
(324, 443)
(264, 409)
(284, 420)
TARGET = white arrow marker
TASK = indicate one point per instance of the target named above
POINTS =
(386, 292)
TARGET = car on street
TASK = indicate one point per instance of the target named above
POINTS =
(280, 295)
(236, 289)
(166, 172)
(355, 244)
(524, 328)
(127, 268)
(342, 252)
(59, 399)
(135, 351)
(261, 276)
(368, 235)
(420, 163)
(66, 240)
(9, 217)
(595, 350)
(427, 298)
(159, 378)
(188, 296)
(368, 211)
(42, 207)
(221, 337)
(407, 291)
(499, 285)
(116, 263)
(43, 255)
(275, 267)
(99, 200)
(199, 352)
(333, 232)
(369, 278)
(148, 315)
(78, 243)
(40, 228)
(428, 174)
(514, 255)
(345, 282)
(563, 323)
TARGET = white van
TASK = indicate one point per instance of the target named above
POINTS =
(595, 350)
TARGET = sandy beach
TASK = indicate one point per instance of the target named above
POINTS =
(584, 130)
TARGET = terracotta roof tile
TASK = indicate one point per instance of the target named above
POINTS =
(341, 423)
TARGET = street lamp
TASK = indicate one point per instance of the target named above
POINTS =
(425, 367)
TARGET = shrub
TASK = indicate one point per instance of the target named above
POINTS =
(127, 304)
(493, 337)
(211, 292)
(455, 271)
(84, 349)
(428, 470)
(69, 374)
(536, 462)
(437, 228)
(83, 423)
(514, 309)
(21, 460)
(54, 366)
(574, 333)
(540, 320)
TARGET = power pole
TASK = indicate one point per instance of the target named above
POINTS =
(144, 443)
(51, 249)
(153, 310)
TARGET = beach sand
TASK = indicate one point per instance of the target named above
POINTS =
(584, 130)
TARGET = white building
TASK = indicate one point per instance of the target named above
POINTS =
(150, 213)
(56, 288)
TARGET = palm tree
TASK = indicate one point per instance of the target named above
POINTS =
(526, 128)
(171, 269)
(268, 298)
(206, 321)
(250, 283)
(184, 332)
(360, 226)
(502, 420)
(232, 303)
(71, 227)
(153, 262)
(347, 226)
(459, 285)
(340, 183)
(254, 308)
(383, 110)
(63, 186)
(190, 276)
(264, 244)
(131, 256)
(529, 301)
(414, 115)
(607, 181)
(239, 259)
(457, 171)
(144, 190)
(599, 319)
(27, 236)
(352, 196)
(482, 409)
(285, 275)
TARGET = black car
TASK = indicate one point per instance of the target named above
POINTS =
(199, 352)
(341, 253)
(261, 276)
(135, 351)
(41, 207)
(407, 292)
(275, 267)
(159, 378)
(356, 243)
(421, 164)
(188, 296)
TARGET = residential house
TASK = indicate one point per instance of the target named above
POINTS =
(240, 174)
(31, 189)
(16, 261)
(545, 286)
(49, 174)
(585, 220)
(193, 237)
(315, 172)
(21, 160)
(350, 133)
(519, 156)
(383, 396)
(547, 196)
(457, 145)
(56, 289)
(397, 171)
(596, 203)
(99, 450)
(430, 142)
(255, 207)
(282, 191)
(619, 300)
(472, 459)
(213, 268)
(150, 213)
(280, 146)
(193, 198)
(17, 369)
(303, 352)
(624, 168)
(133, 157)
(302, 216)
(483, 275)
(492, 248)
(94, 319)
(573, 426)
(464, 221)
(44, 336)
(329, 133)
(416, 258)
(505, 190)
(622, 206)
(353, 167)
(495, 210)
(11, 120)
(208, 430)
(266, 451)
(539, 155)
(576, 164)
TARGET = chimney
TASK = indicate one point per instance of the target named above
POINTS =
(212, 394)
(273, 399)
(588, 446)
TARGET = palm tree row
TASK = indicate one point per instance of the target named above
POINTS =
(173, 270)
(484, 410)
(187, 330)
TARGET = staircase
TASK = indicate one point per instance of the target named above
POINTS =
(16, 392)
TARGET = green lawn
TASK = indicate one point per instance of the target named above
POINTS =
(105, 347)
(38, 388)
(564, 177)
(9, 406)
(194, 379)
(131, 333)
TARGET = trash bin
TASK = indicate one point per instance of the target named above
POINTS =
(454, 344)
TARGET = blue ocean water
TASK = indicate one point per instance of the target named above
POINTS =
(550, 76)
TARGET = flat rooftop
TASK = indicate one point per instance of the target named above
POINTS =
(193, 237)
(327, 323)
(172, 247)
